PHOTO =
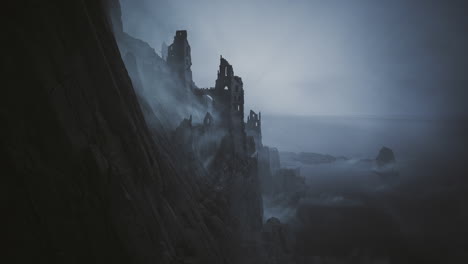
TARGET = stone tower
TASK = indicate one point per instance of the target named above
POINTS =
(179, 58)
(229, 94)
(254, 128)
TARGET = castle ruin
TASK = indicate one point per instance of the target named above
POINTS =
(179, 58)
(223, 103)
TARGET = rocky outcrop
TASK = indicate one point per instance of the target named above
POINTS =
(385, 157)
(386, 164)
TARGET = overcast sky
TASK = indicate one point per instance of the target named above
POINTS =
(368, 57)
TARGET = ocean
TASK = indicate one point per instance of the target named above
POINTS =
(362, 137)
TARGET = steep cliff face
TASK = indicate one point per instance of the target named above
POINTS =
(164, 88)
(155, 82)
(85, 181)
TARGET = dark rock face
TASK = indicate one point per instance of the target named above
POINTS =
(386, 165)
(94, 174)
(264, 169)
(277, 241)
(385, 157)
(88, 181)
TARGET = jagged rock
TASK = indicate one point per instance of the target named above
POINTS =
(386, 165)
(385, 157)
(93, 174)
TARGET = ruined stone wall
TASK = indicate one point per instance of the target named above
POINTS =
(254, 128)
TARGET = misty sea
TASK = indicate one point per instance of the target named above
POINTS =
(362, 137)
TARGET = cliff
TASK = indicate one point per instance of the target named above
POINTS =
(156, 84)
(85, 179)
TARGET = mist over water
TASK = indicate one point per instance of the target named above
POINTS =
(419, 208)
(362, 137)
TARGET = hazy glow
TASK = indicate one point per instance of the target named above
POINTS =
(322, 57)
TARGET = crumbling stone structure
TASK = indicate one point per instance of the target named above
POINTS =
(223, 130)
(254, 128)
(219, 140)
(222, 134)
(180, 60)
(228, 104)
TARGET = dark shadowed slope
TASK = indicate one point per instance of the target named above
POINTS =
(83, 179)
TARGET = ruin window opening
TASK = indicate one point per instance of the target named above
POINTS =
(238, 107)
(226, 88)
